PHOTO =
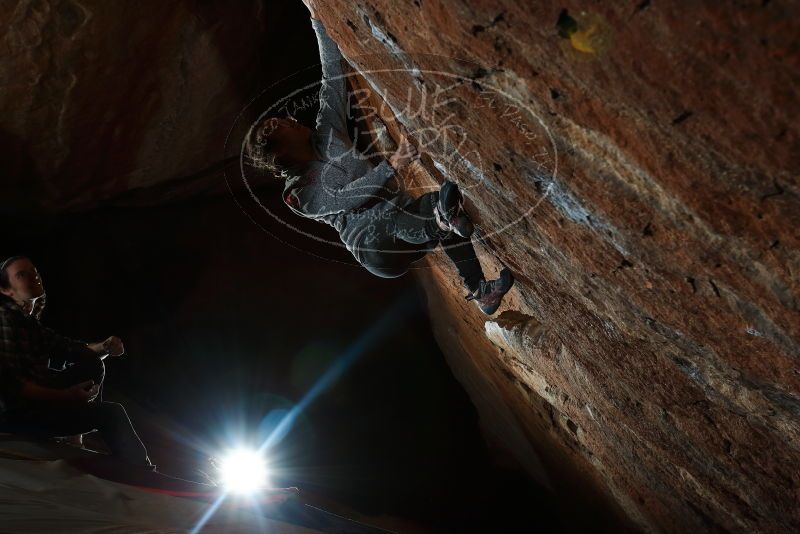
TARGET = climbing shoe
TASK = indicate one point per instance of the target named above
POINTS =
(449, 211)
(490, 294)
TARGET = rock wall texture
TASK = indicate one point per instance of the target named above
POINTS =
(100, 98)
(635, 164)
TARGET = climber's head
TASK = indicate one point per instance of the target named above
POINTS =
(275, 144)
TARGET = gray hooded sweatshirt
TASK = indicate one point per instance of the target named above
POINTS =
(340, 179)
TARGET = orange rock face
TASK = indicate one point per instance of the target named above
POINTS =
(636, 166)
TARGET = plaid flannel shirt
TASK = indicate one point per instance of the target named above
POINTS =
(26, 347)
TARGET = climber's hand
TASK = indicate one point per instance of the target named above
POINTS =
(310, 5)
(405, 154)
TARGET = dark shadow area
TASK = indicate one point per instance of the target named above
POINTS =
(21, 187)
(224, 327)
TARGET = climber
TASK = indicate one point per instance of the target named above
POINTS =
(327, 180)
(36, 397)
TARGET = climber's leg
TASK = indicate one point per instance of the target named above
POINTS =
(387, 238)
(488, 295)
(431, 217)
(462, 254)
(394, 263)
(415, 222)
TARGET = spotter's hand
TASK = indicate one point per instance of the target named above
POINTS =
(113, 346)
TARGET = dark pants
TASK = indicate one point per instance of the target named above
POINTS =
(387, 238)
(52, 419)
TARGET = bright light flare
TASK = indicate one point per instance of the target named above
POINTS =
(243, 471)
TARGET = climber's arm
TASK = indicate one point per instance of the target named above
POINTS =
(333, 92)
